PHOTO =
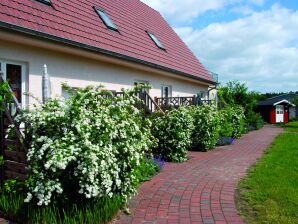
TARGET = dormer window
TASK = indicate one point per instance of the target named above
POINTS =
(46, 2)
(106, 19)
(155, 40)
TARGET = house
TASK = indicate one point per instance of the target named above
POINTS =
(117, 43)
(278, 109)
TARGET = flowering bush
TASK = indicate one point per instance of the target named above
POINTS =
(206, 127)
(232, 121)
(88, 145)
(238, 121)
(173, 131)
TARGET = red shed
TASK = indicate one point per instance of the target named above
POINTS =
(275, 110)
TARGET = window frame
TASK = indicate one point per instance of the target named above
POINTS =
(24, 81)
(155, 40)
(46, 2)
(106, 23)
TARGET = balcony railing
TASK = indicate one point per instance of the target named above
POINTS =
(214, 76)
(167, 102)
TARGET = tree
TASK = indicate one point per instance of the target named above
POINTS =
(236, 93)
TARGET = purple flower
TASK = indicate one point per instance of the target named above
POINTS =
(159, 161)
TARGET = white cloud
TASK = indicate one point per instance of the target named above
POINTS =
(244, 10)
(257, 49)
(186, 10)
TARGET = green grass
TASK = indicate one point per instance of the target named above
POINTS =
(64, 212)
(292, 126)
(67, 211)
(269, 194)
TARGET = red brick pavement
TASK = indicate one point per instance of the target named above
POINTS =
(202, 189)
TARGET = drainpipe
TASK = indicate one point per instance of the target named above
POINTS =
(45, 84)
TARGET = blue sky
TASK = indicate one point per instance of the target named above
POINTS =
(254, 41)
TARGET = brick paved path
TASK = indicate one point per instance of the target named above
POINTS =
(202, 189)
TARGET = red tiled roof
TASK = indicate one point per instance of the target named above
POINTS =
(76, 21)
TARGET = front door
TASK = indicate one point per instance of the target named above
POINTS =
(15, 74)
(280, 113)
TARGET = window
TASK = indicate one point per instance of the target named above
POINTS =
(155, 40)
(166, 91)
(15, 73)
(279, 109)
(47, 2)
(106, 19)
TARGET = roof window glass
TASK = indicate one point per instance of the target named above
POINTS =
(106, 19)
(156, 40)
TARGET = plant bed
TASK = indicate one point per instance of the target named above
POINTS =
(225, 141)
(67, 210)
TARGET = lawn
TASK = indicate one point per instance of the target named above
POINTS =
(291, 127)
(269, 193)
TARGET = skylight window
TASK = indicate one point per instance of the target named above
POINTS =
(155, 40)
(106, 19)
(47, 2)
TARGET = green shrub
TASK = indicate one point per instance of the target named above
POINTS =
(225, 122)
(173, 131)
(92, 142)
(5, 94)
(148, 167)
(206, 127)
(254, 119)
(238, 121)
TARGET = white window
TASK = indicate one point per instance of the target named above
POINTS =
(279, 109)
(166, 91)
(15, 73)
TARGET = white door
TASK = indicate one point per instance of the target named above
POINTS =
(15, 73)
(280, 113)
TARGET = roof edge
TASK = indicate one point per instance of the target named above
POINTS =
(42, 35)
(284, 101)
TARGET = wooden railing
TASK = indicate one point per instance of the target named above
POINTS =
(149, 105)
(13, 148)
(166, 102)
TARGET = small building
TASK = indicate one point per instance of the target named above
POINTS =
(277, 109)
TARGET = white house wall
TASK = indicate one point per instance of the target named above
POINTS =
(79, 72)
